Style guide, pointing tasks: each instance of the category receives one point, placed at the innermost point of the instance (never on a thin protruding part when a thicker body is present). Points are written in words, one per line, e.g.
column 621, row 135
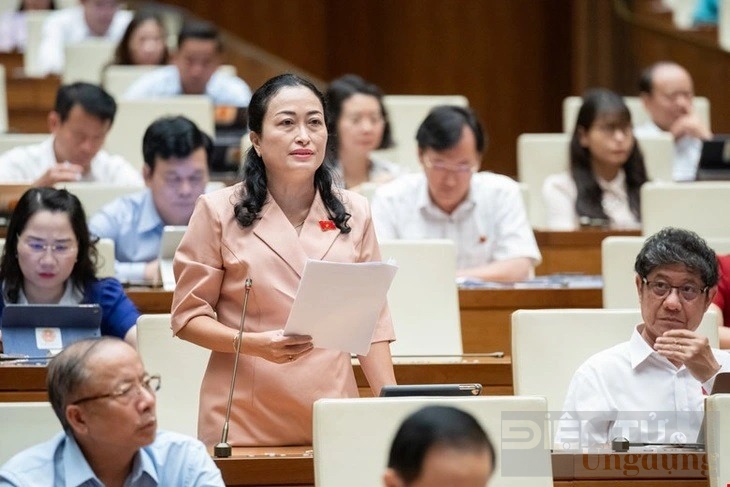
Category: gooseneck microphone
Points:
column 223, row 449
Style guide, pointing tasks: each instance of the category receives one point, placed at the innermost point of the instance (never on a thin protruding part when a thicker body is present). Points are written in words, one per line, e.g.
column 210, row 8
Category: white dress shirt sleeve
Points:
column 384, row 215
column 559, row 195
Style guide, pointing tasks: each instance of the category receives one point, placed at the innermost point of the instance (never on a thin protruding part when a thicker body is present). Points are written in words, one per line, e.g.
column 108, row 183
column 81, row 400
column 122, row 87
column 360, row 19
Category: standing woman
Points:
column 358, row 124
column 606, row 170
column 265, row 228
column 49, row 258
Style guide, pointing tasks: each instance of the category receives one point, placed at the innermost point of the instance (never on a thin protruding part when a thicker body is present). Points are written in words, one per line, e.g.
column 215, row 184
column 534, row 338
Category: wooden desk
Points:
column 486, row 314
column 494, row 374
column 295, row 466
column 573, row 251
column 150, row 300
column 28, row 382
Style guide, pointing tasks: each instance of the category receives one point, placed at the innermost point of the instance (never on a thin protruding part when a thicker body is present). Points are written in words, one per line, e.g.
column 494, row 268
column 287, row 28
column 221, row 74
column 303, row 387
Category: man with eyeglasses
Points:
column 652, row 388
column 666, row 91
column 176, row 154
column 105, row 402
column 481, row 212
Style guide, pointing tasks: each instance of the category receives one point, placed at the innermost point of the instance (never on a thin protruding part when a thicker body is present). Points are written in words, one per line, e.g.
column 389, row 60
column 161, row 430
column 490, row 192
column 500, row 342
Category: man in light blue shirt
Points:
column 194, row 71
column 106, row 404
column 176, row 154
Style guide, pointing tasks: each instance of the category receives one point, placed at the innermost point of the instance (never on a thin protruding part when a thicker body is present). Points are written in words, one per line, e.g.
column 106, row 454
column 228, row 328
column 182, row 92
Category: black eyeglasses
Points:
column 125, row 392
column 661, row 289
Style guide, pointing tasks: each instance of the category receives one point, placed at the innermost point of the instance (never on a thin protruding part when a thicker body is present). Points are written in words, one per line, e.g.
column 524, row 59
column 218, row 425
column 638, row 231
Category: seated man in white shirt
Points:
column 667, row 90
column 652, row 387
column 482, row 212
column 79, row 124
column 93, row 19
column 176, row 154
column 105, row 401
column 194, row 71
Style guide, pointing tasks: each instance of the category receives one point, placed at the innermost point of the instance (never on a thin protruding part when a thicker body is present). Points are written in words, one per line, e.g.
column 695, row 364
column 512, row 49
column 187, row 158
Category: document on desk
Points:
column 338, row 304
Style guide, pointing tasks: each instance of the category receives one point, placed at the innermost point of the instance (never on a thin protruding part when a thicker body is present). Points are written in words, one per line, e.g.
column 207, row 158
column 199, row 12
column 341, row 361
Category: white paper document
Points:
column 338, row 304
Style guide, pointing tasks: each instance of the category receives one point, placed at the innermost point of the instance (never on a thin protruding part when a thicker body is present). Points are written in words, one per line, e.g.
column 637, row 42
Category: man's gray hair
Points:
column 68, row 371
column 671, row 246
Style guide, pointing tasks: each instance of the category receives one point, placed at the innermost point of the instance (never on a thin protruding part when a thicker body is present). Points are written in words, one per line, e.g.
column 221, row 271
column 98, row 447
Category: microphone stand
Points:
column 223, row 449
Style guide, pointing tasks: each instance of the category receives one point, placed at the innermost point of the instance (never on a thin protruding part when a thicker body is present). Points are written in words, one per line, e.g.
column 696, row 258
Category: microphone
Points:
column 223, row 449
column 623, row 445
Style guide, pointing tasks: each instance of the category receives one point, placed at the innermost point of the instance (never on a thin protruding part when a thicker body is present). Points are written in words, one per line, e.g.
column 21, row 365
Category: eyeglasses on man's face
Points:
column 446, row 168
column 662, row 289
column 128, row 390
column 58, row 249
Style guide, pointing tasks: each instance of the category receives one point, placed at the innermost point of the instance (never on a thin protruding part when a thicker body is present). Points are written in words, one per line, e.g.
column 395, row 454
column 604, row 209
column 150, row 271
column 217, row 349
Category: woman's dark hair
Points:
column 598, row 103
column 252, row 196
column 123, row 54
column 338, row 92
column 51, row 6
column 55, row 201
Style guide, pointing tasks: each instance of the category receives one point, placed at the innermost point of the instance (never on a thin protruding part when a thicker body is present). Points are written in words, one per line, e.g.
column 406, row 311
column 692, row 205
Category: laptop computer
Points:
column 39, row 331
column 714, row 164
column 431, row 390
column 171, row 236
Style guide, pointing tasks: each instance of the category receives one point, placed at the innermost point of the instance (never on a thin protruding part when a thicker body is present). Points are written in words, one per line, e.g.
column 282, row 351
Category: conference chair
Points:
column 540, row 155
column 564, row 339
column 94, row 196
column 3, row 102
column 639, row 115
column 24, row 424
column 406, row 112
column 31, row 59
column 423, row 298
column 11, row 141
column 717, row 446
column 617, row 268
column 85, row 60
column 8, row 6
column 105, row 265
column 696, row 206
column 116, row 79
column 723, row 24
column 352, row 437
column 134, row 116
column 181, row 365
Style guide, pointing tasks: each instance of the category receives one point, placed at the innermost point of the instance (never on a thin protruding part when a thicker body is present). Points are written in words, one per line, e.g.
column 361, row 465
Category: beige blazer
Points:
column 272, row 403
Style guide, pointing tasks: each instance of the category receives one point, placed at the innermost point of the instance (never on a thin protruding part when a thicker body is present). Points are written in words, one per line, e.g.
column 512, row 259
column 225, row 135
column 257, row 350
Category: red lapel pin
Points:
column 482, row 238
column 327, row 225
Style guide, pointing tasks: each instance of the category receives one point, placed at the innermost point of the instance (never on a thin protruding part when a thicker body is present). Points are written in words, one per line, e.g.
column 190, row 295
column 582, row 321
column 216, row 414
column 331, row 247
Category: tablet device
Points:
column 431, row 390
column 714, row 162
column 42, row 330
column 171, row 236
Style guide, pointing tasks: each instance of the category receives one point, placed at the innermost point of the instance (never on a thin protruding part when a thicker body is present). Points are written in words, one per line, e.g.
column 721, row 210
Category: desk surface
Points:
column 295, row 466
column 28, row 382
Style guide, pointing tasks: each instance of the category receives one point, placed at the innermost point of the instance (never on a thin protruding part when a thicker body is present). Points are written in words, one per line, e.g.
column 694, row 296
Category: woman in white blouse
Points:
column 601, row 188
column 358, row 125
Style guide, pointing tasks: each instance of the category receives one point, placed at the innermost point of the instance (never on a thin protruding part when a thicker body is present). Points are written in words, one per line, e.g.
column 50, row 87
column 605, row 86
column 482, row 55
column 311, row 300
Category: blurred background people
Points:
column 79, row 123
column 667, row 90
column 143, row 42
column 194, row 71
column 358, row 125
column 176, row 154
column 481, row 212
column 602, row 186
column 93, row 19
column 13, row 25
column 50, row 258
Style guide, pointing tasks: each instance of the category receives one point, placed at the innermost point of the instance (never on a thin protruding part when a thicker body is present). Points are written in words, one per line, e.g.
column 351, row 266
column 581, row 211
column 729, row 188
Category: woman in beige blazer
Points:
column 284, row 212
